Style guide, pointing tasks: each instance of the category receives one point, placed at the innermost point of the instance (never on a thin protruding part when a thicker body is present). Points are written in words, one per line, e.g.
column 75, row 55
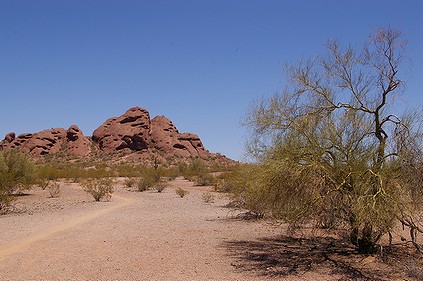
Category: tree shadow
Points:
column 286, row 255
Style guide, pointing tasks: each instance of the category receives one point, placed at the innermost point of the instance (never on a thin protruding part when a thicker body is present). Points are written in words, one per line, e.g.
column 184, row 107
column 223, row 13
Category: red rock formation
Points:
column 50, row 142
column 167, row 139
column 76, row 143
column 129, row 132
column 133, row 132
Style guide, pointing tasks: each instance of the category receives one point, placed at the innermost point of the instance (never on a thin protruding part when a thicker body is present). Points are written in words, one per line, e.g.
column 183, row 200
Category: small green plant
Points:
column 208, row 197
column 99, row 188
column 181, row 192
column 54, row 189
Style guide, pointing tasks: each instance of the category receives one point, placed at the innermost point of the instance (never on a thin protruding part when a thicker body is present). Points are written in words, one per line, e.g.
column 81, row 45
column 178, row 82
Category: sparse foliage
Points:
column 331, row 151
column 99, row 188
column 149, row 179
column 181, row 192
column 160, row 185
column 130, row 182
column 197, row 172
column 54, row 189
column 208, row 197
column 16, row 174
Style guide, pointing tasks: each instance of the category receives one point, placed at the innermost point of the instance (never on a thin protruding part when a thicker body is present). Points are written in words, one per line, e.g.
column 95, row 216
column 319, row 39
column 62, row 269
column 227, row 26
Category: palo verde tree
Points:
column 16, row 173
column 330, row 150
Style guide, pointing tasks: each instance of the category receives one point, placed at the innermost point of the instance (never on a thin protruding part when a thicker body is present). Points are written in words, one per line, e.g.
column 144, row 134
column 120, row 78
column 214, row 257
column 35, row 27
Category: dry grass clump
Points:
column 130, row 182
column 181, row 192
column 208, row 197
column 100, row 189
column 54, row 189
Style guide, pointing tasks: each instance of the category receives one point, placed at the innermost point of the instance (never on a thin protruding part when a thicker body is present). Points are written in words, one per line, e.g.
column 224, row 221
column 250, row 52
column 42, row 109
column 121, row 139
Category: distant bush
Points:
column 160, row 186
column 151, row 179
column 197, row 172
column 181, row 192
column 130, row 182
column 208, row 197
column 54, row 189
column 99, row 188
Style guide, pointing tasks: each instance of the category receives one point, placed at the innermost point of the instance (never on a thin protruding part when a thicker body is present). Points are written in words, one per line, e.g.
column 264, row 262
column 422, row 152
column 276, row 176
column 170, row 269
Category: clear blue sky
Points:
column 201, row 63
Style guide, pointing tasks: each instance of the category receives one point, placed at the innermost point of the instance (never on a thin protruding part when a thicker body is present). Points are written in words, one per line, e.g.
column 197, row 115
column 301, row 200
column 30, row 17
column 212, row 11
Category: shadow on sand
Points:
column 286, row 255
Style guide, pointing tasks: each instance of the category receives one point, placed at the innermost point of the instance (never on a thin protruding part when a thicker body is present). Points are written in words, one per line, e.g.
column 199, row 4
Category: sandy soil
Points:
column 160, row 236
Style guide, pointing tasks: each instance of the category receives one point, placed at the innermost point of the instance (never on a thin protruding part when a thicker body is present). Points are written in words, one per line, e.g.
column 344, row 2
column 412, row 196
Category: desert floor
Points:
column 160, row 236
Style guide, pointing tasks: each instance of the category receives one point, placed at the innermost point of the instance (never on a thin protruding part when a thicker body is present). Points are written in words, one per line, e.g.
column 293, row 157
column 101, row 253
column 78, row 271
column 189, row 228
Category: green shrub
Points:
column 99, row 188
column 16, row 174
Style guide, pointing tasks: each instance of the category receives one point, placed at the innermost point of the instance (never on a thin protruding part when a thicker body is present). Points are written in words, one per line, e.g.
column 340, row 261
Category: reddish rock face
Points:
column 77, row 144
column 49, row 142
column 10, row 137
column 129, row 132
column 166, row 138
column 133, row 132
column 42, row 143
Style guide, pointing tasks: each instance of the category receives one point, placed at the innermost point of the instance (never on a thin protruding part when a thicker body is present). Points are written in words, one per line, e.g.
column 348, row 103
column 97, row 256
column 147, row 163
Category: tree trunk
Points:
column 363, row 239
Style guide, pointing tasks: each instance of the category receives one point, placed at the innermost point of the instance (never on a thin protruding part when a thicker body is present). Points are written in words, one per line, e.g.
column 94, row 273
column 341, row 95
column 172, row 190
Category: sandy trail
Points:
column 135, row 236
column 19, row 245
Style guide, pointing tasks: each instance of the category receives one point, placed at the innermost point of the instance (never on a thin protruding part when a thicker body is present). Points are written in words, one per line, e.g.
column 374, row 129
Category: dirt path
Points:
column 135, row 236
column 44, row 234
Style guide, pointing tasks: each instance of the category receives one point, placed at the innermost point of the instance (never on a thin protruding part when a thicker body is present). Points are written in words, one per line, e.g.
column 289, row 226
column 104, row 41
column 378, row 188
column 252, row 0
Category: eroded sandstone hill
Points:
column 133, row 136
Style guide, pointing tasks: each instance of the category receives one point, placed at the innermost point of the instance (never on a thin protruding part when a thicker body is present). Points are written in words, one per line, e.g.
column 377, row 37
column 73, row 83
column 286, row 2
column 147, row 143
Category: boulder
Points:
column 10, row 137
column 76, row 143
column 126, row 133
column 168, row 140
column 44, row 142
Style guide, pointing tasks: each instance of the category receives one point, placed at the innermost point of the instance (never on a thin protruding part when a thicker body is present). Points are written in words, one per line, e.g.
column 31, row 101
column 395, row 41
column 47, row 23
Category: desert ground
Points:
column 161, row 236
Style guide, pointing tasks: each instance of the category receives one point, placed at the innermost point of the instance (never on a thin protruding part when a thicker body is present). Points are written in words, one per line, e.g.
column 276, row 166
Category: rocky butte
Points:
column 133, row 137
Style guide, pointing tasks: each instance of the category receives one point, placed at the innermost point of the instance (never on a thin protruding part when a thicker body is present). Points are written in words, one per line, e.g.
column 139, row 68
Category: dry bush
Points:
column 100, row 189
column 181, row 192
column 208, row 197
column 130, row 182
column 54, row 189
column 160, row 185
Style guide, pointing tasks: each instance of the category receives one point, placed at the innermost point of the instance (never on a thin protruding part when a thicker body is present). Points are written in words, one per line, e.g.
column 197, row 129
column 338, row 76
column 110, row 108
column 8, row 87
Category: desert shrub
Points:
column 151, row 178
column 54, row 189
column 181, row 192
column 197, row 172
column 99, row 188
column 16, row 174
column 130, row 182
column 227, row 180
column 331, row 149
column 208, row 197
column 144, row 183
column 160, row 185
